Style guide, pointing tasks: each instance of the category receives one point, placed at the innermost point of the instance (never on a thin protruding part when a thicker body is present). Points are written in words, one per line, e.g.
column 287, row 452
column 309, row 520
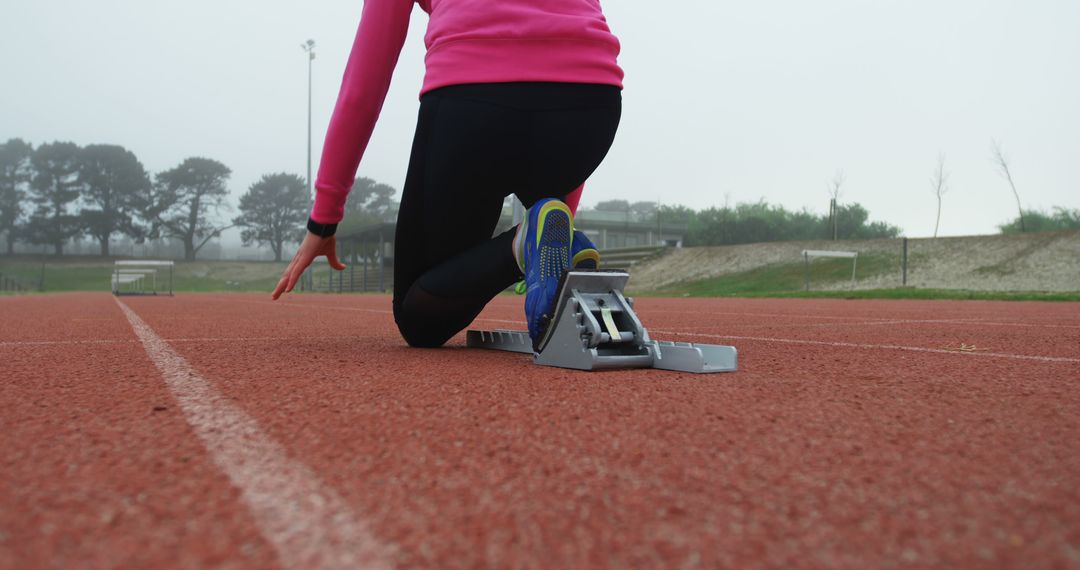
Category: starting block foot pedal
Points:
column 595, row 328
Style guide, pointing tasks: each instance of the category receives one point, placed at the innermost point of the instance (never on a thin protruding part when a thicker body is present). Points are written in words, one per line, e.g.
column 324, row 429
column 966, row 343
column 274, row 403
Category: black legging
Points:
column 474, row 145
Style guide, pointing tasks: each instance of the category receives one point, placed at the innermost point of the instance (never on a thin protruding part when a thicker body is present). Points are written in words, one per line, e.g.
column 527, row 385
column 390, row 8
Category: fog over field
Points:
column 723, row 100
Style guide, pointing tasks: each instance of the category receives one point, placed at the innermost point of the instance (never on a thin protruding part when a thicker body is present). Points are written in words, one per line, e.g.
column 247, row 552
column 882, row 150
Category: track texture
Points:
column 884, row 434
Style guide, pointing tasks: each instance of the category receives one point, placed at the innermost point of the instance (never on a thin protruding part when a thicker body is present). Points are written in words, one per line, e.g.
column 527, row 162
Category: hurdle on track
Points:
column 140, row 277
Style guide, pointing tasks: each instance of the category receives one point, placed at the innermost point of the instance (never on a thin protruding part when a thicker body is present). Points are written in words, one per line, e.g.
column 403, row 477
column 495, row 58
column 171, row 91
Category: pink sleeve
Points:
column 572, row 199
column 383, row 27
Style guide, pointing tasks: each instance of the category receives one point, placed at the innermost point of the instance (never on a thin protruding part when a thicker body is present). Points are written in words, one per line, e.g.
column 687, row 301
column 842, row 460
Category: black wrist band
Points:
column 321, row 230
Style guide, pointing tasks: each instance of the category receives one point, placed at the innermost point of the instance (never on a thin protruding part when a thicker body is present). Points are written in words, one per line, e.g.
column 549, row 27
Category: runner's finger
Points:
column 336, row 263
column 280, row 288
column 302, row 263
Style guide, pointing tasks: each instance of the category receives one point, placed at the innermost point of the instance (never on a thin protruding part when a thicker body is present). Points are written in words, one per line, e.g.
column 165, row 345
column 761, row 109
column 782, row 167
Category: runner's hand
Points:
column 312, row 247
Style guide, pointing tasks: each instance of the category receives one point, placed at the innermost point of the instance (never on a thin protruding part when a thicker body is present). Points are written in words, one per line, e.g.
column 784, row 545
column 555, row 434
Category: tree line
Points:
column 754, row 222
column 60, row 191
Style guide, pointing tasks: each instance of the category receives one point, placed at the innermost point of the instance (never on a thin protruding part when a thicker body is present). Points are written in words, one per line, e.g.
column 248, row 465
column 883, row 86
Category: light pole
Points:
column 309, row 47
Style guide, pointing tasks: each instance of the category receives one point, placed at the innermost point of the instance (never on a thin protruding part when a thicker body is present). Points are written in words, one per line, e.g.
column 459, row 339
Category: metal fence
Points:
column 15, row 284
column 361, row 276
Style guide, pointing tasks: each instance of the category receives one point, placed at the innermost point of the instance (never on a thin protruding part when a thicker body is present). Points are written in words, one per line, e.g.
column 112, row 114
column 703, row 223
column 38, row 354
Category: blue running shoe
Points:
column 548, row 235
column 583, row 254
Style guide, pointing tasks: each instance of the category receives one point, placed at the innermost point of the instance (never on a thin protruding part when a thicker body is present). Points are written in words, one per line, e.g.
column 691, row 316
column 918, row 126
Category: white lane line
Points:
column 876, row 346
column 873, row 320
column 751, row 314
column 377, row 311
column 648, row 311
column 28, row 343
column 303, row 305
column 792, row 341
column 308, row 524
column 16, row 343
column 1027, row 325
column 867, row 321
column 835, row 325
column 510, row 321
column 230, row 339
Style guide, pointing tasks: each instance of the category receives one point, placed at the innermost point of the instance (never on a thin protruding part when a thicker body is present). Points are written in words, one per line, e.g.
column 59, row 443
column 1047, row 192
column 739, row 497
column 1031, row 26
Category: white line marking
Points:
column 835, row 325
column 16, row 343
column 792, row 341
column 750, row 314
column 315, row 306
column 303, row 305
column 869, row 320
column 877, row 346
column 512, row 322
column 647, row 311
column 231, row 339
column 1029, row 325
column 330, row 308
column 19, row 343
column 969, row 322
column 309, row 525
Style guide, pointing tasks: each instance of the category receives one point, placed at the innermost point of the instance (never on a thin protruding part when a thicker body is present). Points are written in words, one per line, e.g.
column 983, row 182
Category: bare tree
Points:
column 939, row 184
column 834, row 195
column 1003, row 163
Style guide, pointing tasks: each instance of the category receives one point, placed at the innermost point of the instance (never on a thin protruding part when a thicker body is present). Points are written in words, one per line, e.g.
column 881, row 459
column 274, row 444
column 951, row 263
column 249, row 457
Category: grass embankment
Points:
column 778, row 280
column 786, row 280
column 94, row 274
column 931, row 294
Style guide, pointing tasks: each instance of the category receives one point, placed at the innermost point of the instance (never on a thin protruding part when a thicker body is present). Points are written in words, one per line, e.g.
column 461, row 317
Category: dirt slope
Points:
column 1032, row 262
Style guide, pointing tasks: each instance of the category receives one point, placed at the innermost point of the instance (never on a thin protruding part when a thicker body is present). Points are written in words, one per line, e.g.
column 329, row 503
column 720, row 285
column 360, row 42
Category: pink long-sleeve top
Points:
column 468, row 41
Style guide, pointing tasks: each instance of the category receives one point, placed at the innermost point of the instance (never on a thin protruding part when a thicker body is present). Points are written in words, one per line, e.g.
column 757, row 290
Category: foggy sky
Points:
column 724, row 101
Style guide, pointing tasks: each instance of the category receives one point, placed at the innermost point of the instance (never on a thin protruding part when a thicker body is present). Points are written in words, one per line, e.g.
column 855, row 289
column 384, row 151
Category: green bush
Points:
column 1038, row 221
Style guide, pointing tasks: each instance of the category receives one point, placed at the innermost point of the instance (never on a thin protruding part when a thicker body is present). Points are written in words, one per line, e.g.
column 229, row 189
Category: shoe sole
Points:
column 554, row 239
column 559, row 235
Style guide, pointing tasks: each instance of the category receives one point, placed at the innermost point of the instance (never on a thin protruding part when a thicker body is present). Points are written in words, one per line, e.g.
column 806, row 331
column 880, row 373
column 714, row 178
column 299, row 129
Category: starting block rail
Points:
column 596, row 328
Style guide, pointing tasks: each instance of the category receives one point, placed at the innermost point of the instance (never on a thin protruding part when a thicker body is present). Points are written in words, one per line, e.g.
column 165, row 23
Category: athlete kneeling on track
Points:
column 519, row 96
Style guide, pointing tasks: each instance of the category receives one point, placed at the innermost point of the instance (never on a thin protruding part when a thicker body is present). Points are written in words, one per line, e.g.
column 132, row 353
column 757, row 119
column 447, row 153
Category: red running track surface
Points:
column 857, row 434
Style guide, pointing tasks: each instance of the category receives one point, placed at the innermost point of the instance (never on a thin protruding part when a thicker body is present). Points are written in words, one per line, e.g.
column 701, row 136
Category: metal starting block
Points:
column 595, row 328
